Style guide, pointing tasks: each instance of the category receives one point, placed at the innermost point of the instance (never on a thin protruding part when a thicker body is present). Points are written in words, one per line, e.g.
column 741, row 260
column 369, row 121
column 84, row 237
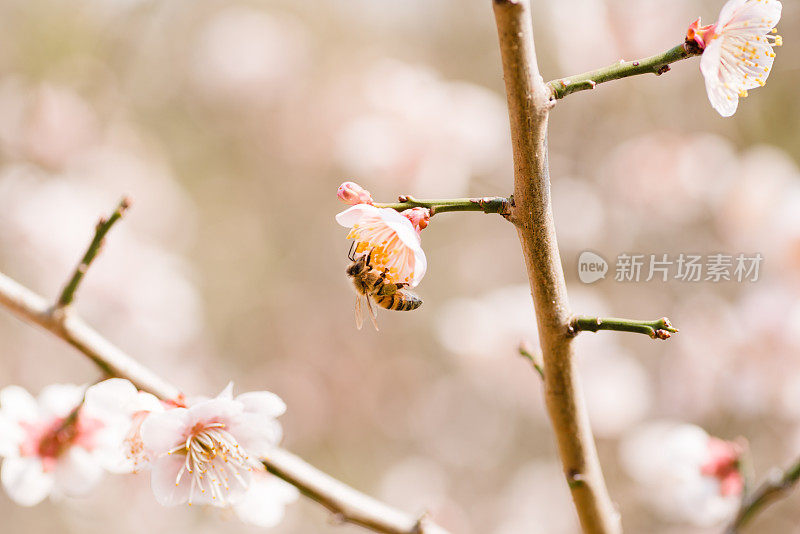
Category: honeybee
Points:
column 371, row 283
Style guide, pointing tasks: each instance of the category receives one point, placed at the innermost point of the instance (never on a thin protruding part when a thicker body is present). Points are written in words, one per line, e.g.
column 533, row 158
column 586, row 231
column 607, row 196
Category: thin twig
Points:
column 501, row 205
column 659, row 329
column 534, row 356
column 528, row 108
column 348, row 504
column 778, row 485
column 102, row 228
column 657, row 64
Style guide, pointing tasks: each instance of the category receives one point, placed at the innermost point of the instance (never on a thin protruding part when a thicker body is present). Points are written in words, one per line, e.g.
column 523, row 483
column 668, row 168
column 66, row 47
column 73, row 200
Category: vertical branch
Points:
column 528, row 109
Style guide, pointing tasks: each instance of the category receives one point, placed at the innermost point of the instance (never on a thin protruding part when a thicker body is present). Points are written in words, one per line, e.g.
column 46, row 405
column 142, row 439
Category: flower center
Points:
column 48, row 440
column 214, row 461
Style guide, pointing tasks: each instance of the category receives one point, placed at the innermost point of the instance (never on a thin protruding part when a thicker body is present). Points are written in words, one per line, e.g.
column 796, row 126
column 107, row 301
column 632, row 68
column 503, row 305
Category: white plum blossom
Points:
column 119, row 401
column 688, row 475
column 49, row 445
column 737, row 50
column 391, row 238
column 209, row 452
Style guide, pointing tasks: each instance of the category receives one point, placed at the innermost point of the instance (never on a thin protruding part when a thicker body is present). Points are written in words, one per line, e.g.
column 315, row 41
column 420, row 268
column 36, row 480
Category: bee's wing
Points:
column 359, row 315
column 372, row 315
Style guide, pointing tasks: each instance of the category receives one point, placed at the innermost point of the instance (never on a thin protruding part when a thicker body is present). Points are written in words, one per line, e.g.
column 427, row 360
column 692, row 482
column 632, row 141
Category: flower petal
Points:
column 164, row 482
column 60, row 399
column 349, row 217
column 17, row 404
column 113, row 396
column 256, row 433
column 264, row 403
column 161, row 432
column 724, row 99
column 265, row 502
column 25, row 481
column 77, row 472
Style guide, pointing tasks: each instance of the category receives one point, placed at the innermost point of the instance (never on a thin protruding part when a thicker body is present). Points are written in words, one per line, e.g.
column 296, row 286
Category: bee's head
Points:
column 357, row 267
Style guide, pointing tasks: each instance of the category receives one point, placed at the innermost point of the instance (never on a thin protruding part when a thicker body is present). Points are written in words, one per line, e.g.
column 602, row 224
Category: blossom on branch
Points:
column 118, row 400
column 737, row 50
column 688, row 475
column 209, row 452
column 392, row 239
column 50, row 445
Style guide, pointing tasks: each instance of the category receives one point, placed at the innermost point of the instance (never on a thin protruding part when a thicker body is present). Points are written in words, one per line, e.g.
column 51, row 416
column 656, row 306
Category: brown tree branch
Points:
column 348, row 504
column 528, row 108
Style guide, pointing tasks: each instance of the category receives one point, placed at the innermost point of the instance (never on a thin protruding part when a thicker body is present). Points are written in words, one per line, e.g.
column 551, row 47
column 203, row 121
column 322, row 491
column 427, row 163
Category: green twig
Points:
column 661, row 329
column 658, row 64
column 775, row 487
column 500, row 205
column 534, row 356
column 68, row 293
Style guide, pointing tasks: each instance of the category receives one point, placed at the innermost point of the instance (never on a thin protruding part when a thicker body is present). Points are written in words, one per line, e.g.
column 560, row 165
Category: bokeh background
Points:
column 231, row 123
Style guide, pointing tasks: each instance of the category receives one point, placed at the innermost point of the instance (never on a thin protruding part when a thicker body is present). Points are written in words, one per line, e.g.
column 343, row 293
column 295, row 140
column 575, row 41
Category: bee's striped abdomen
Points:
column 400, row 300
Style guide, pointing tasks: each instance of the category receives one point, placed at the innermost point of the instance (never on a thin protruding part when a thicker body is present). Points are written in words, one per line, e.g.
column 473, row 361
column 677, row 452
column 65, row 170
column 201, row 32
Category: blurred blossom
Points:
column 691, row 170
column 536, row 501
column 50, row 446
column 425, row 135
column 737, row 50
column 579, row 212
column 616, row 386
column 685, row 474
column 459, row 425
column 248, row 54
column 118, row 400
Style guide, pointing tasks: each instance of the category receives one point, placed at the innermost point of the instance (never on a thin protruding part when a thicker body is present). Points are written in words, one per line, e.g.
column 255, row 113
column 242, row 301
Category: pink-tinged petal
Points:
column 147, row 402
column 18, row 405
column 59, row 400
column 265, row 502
column 162, row 432
column 420, row 266
column 352, row 215
column 263, row 403
column 729, row 10
column 227, row 393
column 25, row 481
column 167, row 488
column 219, row 409
column 723, row 99
column 77, row 472
column 256, row 433
column 756, row 12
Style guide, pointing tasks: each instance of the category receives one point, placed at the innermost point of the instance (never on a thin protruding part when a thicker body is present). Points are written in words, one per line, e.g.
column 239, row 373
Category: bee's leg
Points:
column 369, row 258
column 351, row 253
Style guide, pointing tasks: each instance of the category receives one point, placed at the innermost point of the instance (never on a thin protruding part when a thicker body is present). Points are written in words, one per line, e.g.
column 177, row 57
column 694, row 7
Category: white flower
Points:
column 737, row 52
column 264, row 503
column 207, row 453
column 391, row 238
column 49, row 445
column 118, row 401
column 687, row 475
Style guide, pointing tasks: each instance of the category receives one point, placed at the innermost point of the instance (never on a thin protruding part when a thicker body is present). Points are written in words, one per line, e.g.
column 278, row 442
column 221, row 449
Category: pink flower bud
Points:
column 351, row 193
column 701, row 34
column 723, row 464
column 419, row 217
